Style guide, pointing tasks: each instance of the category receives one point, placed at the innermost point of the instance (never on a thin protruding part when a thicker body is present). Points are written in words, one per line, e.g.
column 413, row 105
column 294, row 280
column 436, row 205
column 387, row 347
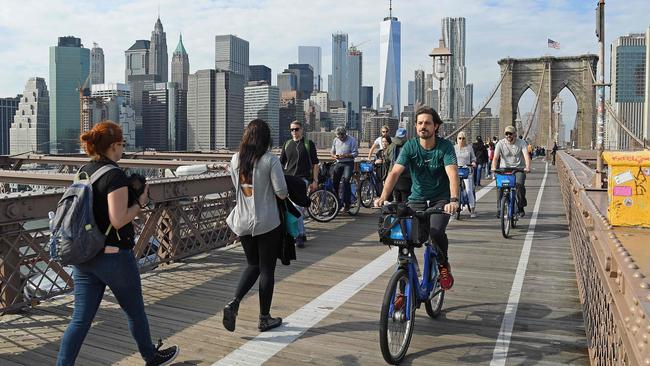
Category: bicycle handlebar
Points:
column 393, row 208
column 508, row 170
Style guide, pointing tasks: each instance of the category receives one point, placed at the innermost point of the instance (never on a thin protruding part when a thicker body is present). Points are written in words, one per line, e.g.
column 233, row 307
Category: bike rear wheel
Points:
column 355, row 202
column 505, row 215
column 395, row 330
column 367, row 193
column 324, row 205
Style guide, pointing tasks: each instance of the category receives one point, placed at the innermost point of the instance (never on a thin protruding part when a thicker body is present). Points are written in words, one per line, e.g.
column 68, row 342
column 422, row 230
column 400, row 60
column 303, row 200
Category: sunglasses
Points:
column 461, row 138
column 123, row 143
column 384, row 131
column 294, row 129
column 509, row 134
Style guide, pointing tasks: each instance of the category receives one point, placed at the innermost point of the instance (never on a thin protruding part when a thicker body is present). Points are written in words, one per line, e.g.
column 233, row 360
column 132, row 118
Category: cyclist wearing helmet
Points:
column 431, row 160
column 344, row 150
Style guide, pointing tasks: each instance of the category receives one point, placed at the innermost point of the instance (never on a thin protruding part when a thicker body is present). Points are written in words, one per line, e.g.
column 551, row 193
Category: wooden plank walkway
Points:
column 184, row 300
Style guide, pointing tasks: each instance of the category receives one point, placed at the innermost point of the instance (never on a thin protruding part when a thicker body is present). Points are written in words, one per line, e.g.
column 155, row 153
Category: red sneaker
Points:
column 399, row 303
column 446, row 280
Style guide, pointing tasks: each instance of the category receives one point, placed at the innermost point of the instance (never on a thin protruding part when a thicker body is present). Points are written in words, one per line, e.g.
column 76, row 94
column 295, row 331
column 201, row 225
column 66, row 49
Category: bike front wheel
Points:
column 324, row 205
column 367, row 193
column 505, row 215
column 434, row 304
column 397, row 318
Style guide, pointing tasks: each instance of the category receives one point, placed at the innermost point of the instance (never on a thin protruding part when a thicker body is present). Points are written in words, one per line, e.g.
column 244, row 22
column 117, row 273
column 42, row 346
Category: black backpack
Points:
column 75, row 237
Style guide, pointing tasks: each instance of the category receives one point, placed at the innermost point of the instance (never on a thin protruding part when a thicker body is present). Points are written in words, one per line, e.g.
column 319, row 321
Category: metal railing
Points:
column 613, row 291
column 187, row 216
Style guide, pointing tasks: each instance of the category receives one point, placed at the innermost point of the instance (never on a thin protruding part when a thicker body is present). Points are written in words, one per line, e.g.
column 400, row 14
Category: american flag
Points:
column 553, row 44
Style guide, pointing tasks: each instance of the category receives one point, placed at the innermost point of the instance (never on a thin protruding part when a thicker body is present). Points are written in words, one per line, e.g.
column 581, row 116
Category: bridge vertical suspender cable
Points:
column 613, row 114
column 539, row 90
column 460, row 128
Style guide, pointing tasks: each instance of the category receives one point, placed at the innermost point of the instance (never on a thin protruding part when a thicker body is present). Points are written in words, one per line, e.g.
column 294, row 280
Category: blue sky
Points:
column 274, row 28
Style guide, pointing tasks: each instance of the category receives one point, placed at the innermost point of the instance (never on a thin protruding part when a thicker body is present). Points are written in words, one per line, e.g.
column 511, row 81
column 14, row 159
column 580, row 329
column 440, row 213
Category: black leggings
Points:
column 437, row 227
column 261, row 256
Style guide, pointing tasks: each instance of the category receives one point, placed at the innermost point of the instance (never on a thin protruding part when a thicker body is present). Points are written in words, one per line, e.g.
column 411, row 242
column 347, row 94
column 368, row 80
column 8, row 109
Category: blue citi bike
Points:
column 505, row 180
column 327, row 201
column 408, row 288
column 463, row 173
column 369, row 184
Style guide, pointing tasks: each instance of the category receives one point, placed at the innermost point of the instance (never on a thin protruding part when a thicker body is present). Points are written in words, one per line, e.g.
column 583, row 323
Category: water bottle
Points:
column 50, row 215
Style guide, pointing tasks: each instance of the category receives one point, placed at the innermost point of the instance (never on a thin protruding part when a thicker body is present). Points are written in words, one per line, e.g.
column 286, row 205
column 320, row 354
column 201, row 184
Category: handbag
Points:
column 291, row 223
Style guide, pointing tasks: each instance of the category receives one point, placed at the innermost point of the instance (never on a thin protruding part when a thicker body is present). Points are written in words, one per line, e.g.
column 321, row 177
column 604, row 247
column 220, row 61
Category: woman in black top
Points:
column 116, row 265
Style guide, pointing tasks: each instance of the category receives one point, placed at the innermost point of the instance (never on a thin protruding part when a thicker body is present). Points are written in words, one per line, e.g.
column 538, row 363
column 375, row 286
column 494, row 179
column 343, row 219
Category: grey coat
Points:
column 258, row 215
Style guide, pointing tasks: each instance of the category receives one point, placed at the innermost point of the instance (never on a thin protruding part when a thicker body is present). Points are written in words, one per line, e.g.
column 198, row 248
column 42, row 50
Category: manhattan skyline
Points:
column 495, row 29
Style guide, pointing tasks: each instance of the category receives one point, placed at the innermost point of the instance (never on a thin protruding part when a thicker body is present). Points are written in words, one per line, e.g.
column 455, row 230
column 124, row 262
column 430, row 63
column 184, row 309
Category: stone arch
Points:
column 558, row 72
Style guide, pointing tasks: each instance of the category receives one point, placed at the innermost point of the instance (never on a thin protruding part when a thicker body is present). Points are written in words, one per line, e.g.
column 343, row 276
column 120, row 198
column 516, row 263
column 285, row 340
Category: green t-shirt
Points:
column 427, row 167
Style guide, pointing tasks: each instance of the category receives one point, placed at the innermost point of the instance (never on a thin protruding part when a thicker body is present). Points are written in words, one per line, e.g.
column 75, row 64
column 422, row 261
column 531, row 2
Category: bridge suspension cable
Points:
column 461, row 127
column 610, row 109
column 532, row 115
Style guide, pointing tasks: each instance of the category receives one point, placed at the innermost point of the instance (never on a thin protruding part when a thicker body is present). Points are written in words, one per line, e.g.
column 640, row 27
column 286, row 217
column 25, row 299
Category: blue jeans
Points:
column 344, row 170
column 119, row 272
column 477, row 175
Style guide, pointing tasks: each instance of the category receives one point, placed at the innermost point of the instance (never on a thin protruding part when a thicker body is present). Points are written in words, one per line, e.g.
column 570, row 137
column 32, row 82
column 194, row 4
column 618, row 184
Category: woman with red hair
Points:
column 115, row 266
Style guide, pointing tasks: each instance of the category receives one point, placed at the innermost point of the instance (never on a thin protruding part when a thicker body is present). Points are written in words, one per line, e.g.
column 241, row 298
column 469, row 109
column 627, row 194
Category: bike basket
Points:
column 366, row 167
column 463, row 172
column 399, row 231
column 505, row 180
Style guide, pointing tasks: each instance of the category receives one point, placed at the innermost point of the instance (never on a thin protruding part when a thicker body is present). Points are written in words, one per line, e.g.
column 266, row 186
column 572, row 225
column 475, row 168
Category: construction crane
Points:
column 355, row 47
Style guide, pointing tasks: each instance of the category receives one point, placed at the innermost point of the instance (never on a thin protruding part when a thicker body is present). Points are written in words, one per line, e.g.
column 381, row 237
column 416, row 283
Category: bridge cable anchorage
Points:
column 610, row 109
column 494, row 91
column 532, row 115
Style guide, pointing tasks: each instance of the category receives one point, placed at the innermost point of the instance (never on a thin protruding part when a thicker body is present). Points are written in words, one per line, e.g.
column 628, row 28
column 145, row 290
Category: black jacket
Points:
column 481, row 152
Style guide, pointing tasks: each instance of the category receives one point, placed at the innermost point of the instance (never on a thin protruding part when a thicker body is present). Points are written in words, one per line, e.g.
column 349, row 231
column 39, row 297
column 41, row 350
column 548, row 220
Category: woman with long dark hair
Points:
column 115, row 266
column 258, row 179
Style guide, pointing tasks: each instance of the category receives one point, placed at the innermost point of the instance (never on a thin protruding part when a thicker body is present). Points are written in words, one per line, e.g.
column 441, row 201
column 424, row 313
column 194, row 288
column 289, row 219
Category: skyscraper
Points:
column 158, row 52
column 366, row 97
column 229, row 104
column 452, row 105
column 117, row 102
column 410, row 97
column 165, row 122
column 8, row 107
column 69, row 69
column 469, row 100
column 287, row 82
column 96, row 64
column 231, row 54
column 336, row 86
column 390, row 63
column 137, row 59
column 180, row 65
column 312, row 55
column 419, row 88
column 260, row 73
column 30, row 130
column 627, row 93
column 263, row 101
column 201, row 110
column 354, row 80
column 304, row 79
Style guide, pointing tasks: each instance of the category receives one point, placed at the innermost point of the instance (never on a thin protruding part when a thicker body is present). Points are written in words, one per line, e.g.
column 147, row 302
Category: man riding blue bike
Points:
column 431, row 161
column 344, row 150
column 512, row 152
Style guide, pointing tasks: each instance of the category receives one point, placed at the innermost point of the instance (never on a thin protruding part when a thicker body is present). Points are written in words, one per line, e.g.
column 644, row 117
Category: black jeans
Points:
column 343, row 170
column 437, row 227
column 520, row 181
column 261, row 256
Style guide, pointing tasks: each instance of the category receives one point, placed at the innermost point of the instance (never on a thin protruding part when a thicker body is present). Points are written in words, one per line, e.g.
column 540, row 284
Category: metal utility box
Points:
column 628, row 188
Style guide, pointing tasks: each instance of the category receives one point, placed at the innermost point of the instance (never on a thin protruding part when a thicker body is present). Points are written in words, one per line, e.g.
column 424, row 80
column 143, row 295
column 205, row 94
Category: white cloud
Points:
column 274, row 28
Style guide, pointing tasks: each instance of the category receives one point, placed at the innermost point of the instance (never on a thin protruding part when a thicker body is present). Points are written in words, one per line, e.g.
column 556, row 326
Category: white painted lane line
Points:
column 500, row 354
column 265, row 345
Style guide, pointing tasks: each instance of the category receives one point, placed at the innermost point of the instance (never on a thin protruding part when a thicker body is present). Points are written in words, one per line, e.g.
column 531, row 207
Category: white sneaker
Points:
column 473, row 214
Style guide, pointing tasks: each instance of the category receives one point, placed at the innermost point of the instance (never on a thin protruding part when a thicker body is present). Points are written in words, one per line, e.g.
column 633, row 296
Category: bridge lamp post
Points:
column 440, row 56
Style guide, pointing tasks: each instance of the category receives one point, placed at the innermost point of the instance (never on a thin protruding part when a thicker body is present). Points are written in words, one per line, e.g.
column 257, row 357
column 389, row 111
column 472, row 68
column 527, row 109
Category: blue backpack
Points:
column 75, row 237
